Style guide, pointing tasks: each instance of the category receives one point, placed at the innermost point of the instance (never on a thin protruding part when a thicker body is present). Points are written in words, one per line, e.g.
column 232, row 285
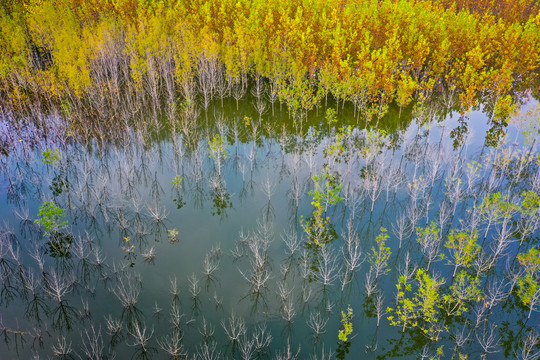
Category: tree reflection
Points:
column 362, row 181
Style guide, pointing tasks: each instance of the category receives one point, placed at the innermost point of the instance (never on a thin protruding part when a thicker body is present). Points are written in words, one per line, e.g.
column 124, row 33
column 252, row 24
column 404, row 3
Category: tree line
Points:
column 96, row 57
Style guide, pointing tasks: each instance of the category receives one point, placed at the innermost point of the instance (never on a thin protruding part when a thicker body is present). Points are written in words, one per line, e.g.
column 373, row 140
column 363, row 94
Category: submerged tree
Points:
column 529, row 283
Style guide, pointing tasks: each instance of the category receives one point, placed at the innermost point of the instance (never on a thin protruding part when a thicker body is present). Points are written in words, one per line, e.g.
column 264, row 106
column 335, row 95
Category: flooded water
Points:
column 239, row 236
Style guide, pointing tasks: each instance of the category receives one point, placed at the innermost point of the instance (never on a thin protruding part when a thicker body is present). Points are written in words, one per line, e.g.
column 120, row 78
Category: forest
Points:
column 99, row 56
column 310, row 179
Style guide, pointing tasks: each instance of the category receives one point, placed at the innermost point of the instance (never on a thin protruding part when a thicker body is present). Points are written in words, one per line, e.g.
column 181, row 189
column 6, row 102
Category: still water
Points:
column 241, row 236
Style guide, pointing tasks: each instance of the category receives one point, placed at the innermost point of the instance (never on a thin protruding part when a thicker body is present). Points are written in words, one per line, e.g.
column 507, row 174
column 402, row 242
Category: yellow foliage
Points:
column 384, row 50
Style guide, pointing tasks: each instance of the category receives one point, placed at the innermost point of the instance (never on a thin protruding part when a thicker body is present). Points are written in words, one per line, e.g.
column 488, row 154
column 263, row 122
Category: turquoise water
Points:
column 148, row 206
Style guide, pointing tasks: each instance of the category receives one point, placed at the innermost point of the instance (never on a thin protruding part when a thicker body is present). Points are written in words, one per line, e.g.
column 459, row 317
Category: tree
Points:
column 430, row 240
column 418, row 309
column 463, row 290
column 529, row 283
column 463, row 248
column 380, row 254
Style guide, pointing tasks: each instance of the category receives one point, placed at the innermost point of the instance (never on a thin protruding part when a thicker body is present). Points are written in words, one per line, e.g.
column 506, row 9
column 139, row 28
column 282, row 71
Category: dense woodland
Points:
column 108, row 59
column 396, row 235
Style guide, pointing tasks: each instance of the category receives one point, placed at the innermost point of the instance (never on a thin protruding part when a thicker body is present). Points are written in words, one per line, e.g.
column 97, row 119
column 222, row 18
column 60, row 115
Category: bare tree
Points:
column 140, row 338
column 496, row 292
column 246, row 347
column 317, row 323
column 114, row 329
column 208, row 74
column 487, row 338
column 194, row 286
column 207, row 330
column 211, row 262
column 92, row 344
column 371, row 282
column 258, row 272
column 157, row 213
column 222, row 86
column 127, row 289
column 208, row 352
column 292, row 241
column 352, row 254
column 288, row 353
column 238, row 92
column 262, row 339
column 273, row 94
column 173, row 289
column 261, row 106
column 306, row 270
column 529, row 349
column 501, row 244
column 401, row 229
column 234, row 328
column 175, row 317
column 149, row 255
column 379, row 308
column 328, row 269
column 172, row 345
column 62, row 350
column 287, row 309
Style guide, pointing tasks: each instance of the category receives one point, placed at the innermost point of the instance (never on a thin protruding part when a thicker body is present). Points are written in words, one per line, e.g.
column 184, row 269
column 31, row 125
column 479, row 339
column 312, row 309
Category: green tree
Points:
column 463, row 291
column 418, row 309
column 218, row 150
column 327, row 189
column 346, row 324
column 463, row 248
column 380, row 254
column 51, row 217
column 529, row 283
column 430, row 239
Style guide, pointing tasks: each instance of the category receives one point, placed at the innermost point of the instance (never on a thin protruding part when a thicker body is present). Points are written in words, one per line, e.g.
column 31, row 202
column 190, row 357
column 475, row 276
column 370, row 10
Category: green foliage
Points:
column 177, row 181
column 417, row 309
column 221, row 201
column 427, row 297
column 529, row 210
column 405, row 90
column 473, row 168
column 374, row 142
column 326, row 190
column 330, row 117
column 217, row 147
column 66, row 108
column 51, row 217
column 59, row 184
column 528, row 290
column 530, row 203
column 529, row 283
column 429, row 234
column 404, row 313
column 463, row 247
column 346, row 324
column 380, row 254
column 51, row 156
column 338, row 147
column 464, row 290
column 496, row 206
column 503, row 108
column 172, row 235
column 318, row 227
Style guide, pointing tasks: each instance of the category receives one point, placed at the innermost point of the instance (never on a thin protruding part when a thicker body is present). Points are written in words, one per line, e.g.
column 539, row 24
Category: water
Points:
column 148, row 207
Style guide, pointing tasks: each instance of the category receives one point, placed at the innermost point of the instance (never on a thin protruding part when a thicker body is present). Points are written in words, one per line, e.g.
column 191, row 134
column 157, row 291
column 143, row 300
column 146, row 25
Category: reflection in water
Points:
column 232, row 238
